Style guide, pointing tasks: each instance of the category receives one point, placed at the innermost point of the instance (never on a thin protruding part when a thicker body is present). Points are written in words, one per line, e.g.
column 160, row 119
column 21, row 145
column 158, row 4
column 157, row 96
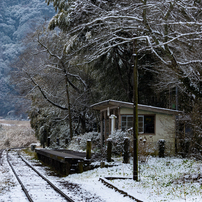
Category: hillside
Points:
column 17, row 19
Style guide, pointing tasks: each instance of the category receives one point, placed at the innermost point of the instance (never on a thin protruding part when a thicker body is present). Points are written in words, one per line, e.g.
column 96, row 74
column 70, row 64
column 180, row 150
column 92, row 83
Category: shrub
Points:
column 79, row 142
column 118, row 141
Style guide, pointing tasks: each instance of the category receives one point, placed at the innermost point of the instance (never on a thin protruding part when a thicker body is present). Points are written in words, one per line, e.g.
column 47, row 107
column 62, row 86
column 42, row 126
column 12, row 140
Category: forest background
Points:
column 54, row 70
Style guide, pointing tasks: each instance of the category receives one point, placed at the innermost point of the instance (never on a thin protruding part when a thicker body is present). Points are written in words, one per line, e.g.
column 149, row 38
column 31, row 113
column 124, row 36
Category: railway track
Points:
column 35, row 186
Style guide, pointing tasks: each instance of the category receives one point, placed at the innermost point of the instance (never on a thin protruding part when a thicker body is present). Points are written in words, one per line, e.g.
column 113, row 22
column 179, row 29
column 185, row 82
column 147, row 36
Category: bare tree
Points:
column 47, row 73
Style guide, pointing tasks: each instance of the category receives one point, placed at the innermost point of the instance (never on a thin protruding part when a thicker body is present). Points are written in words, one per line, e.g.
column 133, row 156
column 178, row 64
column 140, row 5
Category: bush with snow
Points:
column 79, row 142
column 118, row 141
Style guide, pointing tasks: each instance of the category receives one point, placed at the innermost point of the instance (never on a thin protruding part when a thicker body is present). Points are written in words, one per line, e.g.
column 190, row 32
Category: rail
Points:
column 39, row 174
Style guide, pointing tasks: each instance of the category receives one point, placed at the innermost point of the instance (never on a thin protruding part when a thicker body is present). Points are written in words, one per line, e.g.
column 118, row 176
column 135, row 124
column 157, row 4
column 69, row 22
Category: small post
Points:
column 66, row 141
column 33, row 146
column 48, row 142
column 102, row 164
column 58, row 141
column 80, row 166
column 109, row 150
column 161, row 148
column 126, row 150
column 88, row 150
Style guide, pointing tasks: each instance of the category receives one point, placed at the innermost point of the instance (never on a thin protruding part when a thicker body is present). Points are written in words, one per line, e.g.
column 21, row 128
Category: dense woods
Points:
column 86, row 52
column 17, row 19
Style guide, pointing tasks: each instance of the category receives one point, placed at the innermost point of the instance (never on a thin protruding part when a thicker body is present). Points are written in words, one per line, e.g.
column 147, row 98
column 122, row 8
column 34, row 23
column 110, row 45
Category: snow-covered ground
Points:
column 161, row 179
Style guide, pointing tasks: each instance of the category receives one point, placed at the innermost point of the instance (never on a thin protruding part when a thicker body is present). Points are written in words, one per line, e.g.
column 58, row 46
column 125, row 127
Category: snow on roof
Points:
column 112, row 103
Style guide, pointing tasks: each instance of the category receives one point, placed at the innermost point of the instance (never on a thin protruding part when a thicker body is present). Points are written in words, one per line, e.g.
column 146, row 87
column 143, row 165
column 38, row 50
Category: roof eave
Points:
column 109, row 103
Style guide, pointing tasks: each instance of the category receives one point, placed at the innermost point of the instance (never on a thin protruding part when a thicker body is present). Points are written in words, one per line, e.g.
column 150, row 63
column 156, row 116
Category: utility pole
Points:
column 135, row 113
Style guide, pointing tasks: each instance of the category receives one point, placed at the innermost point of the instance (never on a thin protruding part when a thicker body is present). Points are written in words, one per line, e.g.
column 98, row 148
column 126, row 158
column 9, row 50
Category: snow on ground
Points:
column 161, row 179
column 10, row 189
column 157, row 180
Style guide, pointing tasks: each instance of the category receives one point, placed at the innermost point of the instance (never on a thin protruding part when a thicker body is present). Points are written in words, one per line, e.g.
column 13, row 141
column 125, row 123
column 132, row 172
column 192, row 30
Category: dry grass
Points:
column 15, row 133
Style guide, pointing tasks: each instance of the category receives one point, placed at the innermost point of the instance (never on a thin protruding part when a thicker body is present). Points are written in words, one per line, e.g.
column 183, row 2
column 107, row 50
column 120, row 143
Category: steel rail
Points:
column 43, row 177
column 20, row 182
column 48, row 181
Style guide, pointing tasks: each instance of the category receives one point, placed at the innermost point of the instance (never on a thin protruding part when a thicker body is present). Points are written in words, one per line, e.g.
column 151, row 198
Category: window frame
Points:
column 143, row 122
column 125, row 116
column 141, row 116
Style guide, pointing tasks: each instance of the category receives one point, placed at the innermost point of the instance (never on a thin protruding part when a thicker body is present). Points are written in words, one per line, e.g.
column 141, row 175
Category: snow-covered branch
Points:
column 43, row 93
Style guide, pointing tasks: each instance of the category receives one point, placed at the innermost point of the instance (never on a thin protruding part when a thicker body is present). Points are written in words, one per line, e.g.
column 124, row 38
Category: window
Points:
column 126, row 122
column 141, row 124
column 148, row 124
column 145, row 123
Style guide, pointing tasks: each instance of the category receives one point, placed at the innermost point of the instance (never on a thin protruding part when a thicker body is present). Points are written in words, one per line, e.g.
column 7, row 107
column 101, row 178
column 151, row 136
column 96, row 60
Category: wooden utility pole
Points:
column 135, row 113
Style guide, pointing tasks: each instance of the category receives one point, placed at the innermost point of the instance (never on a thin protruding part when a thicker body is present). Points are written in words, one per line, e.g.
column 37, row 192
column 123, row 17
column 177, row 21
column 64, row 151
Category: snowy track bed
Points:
column 35, row 187
column 82, row 190
column 169, row 179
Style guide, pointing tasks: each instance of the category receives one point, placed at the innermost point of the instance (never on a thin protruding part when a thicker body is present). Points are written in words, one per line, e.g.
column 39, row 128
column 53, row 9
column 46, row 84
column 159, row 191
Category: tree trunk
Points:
column 69, row 109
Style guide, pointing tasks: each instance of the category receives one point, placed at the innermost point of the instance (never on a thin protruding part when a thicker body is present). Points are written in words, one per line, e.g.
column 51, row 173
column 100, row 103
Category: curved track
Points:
column 33, row 183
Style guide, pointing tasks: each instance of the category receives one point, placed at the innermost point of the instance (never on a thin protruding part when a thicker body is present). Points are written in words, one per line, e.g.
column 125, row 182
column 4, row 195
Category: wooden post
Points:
column 109, row 150
column 33, row 146
column 161, row 148
column 102, row 164
column 126, row 150
column 80, row 166
column 119, row 119
column 67, row 168
column 135, row 114
column 105, row 126
column 88, row 150
column 48, row 142
column 101, row 130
